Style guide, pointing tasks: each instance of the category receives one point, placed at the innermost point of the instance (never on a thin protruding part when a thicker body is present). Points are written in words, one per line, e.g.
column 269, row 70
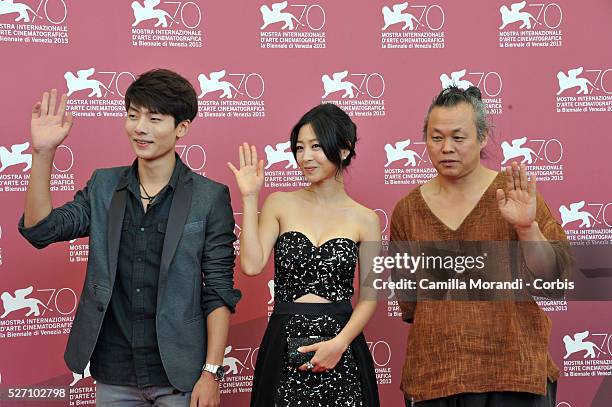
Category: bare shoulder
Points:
column 366, row 217
column 279, row 198
column 280, row 201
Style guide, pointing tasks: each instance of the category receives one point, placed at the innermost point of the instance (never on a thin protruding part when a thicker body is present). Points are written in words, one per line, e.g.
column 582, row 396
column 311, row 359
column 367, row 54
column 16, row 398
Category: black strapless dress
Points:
column 301, row 268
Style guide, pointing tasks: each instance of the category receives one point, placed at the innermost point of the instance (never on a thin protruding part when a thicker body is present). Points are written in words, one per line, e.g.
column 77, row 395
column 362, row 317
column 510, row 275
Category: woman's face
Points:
column 310, row 156
column 452, row 140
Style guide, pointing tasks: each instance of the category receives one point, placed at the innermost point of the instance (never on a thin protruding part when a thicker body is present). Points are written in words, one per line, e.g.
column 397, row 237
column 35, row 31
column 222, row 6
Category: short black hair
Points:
column 165, row 92
column 335, row 131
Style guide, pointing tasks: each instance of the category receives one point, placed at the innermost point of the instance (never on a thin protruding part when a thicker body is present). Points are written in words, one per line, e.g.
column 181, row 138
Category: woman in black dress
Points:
column 316, row 233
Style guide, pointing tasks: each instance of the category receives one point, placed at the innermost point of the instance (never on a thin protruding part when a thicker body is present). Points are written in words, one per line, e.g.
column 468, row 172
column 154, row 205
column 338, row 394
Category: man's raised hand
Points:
column 50, row 124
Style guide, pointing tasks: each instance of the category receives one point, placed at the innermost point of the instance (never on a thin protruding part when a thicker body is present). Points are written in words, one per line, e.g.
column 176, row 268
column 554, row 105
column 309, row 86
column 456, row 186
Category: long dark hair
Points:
column 335, row 132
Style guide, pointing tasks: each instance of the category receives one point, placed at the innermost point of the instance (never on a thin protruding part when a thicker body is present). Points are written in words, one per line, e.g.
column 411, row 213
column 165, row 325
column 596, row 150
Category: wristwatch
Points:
column 217, row 371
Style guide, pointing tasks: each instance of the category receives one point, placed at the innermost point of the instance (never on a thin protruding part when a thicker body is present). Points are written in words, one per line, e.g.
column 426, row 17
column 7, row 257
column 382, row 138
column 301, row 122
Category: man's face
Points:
column 152, row 135
column 452, row 140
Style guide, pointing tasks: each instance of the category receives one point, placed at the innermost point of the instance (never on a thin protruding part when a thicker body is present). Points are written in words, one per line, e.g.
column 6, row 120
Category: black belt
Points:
column 313, row 308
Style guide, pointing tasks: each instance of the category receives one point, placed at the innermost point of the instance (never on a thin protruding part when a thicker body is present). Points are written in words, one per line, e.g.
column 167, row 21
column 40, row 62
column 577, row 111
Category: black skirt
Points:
column 271, row 356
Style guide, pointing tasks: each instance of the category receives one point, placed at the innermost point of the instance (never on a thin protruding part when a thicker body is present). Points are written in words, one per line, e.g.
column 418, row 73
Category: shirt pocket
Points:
column 127, row 222
column 156, row 239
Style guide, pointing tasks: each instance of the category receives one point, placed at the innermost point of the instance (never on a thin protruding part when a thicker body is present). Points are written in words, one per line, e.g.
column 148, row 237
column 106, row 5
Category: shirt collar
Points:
column 130, row 180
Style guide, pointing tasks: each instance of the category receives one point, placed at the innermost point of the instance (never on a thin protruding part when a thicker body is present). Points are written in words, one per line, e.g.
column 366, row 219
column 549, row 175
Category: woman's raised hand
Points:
column 250, row 176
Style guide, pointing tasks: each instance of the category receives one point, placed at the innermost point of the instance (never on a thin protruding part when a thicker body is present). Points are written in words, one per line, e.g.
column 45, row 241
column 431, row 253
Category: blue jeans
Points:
column 109, row 395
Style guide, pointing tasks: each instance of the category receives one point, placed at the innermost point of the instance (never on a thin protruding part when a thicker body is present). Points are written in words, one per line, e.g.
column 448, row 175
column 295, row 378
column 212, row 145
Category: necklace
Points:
column 148, row 197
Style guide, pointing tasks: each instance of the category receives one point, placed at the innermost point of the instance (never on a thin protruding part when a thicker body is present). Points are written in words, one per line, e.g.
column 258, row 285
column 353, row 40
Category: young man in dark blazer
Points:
column 153, row 316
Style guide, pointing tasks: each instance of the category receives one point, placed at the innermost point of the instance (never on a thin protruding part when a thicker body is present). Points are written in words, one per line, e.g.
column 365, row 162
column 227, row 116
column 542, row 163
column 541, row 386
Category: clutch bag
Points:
column 293, row 343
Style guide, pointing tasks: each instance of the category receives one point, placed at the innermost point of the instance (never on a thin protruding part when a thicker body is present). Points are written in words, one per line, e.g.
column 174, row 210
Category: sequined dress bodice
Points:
column 301, row 268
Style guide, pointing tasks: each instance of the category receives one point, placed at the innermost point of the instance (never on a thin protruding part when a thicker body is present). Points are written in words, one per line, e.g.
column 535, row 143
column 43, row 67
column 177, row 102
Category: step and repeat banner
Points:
column 544, row 68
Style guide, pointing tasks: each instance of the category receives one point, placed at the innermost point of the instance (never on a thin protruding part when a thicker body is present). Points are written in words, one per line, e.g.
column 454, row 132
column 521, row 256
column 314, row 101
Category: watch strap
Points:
column 214, row 370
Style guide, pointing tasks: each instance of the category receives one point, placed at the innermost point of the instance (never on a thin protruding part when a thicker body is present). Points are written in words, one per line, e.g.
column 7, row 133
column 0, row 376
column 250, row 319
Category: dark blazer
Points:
column 196, row 272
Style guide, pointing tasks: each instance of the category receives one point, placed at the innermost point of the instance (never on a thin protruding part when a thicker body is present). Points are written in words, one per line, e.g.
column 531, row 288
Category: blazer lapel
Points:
column 116, row 212
column 179, row 210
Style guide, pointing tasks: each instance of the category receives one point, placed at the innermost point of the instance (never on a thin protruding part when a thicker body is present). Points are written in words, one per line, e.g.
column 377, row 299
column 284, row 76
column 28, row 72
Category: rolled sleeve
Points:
column 218, row 258
column 69, row 221
column 213, row 298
